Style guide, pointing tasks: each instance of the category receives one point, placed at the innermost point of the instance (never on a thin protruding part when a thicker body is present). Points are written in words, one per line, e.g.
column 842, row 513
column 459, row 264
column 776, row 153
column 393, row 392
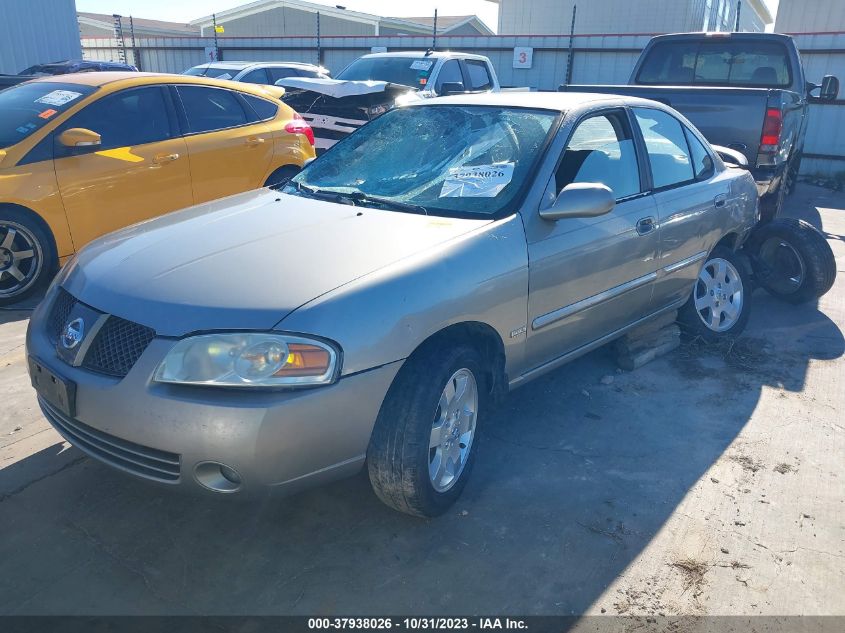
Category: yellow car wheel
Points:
column 27, row 255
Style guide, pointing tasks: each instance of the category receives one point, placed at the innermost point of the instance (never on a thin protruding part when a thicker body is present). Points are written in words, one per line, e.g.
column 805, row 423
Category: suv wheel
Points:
column 424, row 442
column 720, row 303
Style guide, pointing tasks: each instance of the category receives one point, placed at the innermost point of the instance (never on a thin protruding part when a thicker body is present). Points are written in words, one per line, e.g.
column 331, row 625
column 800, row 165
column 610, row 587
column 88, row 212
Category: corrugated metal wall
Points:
column 37, row 31
column 603, row 59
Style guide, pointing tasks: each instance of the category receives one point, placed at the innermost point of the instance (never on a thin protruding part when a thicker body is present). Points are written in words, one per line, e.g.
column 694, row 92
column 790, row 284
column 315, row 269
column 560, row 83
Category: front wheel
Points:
column 423, row 445
column 720, row 304
column 792, row 260
column 27, row 258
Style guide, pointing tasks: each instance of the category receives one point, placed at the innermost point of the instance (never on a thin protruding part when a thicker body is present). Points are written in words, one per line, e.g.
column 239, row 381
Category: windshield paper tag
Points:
column 422, row 64
column 58, row 97
column 478, row 181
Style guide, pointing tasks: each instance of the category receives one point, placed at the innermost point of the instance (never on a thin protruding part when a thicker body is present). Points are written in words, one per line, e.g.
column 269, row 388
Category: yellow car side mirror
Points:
column 79, row 137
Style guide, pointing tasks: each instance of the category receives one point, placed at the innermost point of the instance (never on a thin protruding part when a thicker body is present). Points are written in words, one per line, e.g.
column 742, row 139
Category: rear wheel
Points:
column 792, row 260
column 27, row 257
column 720, row 304
column 281, row 176
column 423, row 445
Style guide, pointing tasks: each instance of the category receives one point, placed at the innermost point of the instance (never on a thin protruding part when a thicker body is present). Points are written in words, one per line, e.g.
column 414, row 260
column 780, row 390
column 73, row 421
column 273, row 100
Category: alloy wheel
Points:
column 719, row 295
column 20, row 258
column 453, row 430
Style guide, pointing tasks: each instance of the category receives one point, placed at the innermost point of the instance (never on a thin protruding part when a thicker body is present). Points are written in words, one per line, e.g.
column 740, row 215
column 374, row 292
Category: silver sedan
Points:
column 373, row 310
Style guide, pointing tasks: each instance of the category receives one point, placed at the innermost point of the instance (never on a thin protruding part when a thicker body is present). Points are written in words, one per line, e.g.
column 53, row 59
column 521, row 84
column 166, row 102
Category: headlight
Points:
column 249, row 360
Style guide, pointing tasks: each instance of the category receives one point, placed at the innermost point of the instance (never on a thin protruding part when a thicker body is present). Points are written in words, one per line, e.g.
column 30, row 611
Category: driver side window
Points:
column 125, row 119
column 601, row 149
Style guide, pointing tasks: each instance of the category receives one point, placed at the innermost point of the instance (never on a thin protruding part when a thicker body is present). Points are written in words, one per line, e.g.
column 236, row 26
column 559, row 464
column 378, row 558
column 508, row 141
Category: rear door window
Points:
column 257, row 76
column 283, row 73
column 210, row 109
column 702, row 164
column 601, row 149
column 668, row 154
column 479, row 75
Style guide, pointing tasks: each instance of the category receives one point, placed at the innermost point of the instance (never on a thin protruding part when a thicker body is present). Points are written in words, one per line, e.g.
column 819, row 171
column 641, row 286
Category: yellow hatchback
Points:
column 83, row 155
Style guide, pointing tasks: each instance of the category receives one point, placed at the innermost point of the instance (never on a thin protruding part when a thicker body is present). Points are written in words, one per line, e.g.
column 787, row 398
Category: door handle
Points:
column 645, row 226
column 721, row 200
column 254, row 140
column 165, row 158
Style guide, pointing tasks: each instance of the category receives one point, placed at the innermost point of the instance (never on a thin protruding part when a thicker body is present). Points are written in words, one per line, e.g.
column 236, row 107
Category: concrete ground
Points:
column 708, row 482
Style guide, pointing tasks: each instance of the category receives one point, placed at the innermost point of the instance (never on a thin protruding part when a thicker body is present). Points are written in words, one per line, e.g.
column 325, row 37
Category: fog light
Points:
column 217, row 477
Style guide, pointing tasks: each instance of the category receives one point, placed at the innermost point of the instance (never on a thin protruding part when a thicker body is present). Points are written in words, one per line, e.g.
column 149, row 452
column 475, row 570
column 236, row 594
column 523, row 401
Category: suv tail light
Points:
column 772, row 128
column 300, row 126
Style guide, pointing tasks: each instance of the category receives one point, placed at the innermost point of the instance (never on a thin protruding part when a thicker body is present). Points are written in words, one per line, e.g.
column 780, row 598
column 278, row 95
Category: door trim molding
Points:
column 689, row 261
column 567, row 311
column 589, row 347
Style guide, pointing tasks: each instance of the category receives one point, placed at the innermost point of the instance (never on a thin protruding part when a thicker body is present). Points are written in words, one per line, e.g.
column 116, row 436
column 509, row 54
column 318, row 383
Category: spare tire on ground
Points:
column 791, row 260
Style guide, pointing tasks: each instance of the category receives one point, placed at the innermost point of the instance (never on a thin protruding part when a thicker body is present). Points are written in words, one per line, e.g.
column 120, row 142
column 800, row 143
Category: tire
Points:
column 771, row 205
column 27, row 255
column 403, row 465
column 792, row 260
column 281, row 176
column 720, row 303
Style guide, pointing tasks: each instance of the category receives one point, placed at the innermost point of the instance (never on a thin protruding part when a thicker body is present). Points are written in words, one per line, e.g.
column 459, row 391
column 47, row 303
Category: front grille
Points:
column 59, row 314
column 118, row 346
column 119, row 343
column 143, row 461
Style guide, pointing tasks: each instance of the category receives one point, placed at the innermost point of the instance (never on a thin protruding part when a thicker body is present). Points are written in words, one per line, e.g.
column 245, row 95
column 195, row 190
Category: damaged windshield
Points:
column 438, row 159
column 408, row 71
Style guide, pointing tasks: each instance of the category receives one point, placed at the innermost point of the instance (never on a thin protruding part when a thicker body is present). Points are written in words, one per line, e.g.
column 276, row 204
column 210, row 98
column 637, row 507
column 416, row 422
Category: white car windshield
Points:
column 441, row 159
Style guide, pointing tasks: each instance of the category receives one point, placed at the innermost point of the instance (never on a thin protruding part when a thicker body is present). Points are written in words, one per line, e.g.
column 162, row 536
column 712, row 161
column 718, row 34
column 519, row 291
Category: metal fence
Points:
column 597, row 59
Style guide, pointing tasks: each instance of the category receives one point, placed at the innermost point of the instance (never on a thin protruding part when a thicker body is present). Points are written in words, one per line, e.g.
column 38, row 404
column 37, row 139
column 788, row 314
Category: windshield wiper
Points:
column 360, row 196
column 319, row 194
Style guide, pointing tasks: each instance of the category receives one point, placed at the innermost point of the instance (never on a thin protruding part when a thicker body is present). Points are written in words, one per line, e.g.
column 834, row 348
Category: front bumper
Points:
column 273, row 440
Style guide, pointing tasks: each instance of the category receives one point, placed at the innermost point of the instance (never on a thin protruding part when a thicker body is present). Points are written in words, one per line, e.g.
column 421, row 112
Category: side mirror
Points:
column 829, row 89
column 731, row 156
column 452, row 88
column 79, row 137
column 581, row 200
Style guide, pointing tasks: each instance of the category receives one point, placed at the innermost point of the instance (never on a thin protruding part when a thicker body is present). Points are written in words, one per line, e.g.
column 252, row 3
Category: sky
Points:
column 186, row 10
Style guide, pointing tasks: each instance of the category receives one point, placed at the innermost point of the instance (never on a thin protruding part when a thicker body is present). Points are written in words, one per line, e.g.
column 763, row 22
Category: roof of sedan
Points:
column 243, row 65
column 561, row 101
column 99, row 79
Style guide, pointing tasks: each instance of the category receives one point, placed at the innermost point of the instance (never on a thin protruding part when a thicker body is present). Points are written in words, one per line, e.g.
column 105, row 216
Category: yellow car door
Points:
column 229, row 150
column 138, row 171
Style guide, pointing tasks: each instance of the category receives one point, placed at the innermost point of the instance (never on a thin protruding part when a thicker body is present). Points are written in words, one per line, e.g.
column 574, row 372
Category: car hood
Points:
column 247, row 261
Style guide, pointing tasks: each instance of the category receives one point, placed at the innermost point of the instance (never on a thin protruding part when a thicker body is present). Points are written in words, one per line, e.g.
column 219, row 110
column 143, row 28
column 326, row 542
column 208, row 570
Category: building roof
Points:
column 106, row 22
column 421, row 25
column 446, row 23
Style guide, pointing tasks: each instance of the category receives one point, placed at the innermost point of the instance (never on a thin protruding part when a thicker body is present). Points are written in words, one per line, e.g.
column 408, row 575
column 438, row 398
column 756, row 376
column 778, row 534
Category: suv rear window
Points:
column 722, row 62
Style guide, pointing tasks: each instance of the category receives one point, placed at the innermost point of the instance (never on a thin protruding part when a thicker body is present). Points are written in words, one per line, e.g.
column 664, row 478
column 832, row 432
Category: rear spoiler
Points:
column 276, row 92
